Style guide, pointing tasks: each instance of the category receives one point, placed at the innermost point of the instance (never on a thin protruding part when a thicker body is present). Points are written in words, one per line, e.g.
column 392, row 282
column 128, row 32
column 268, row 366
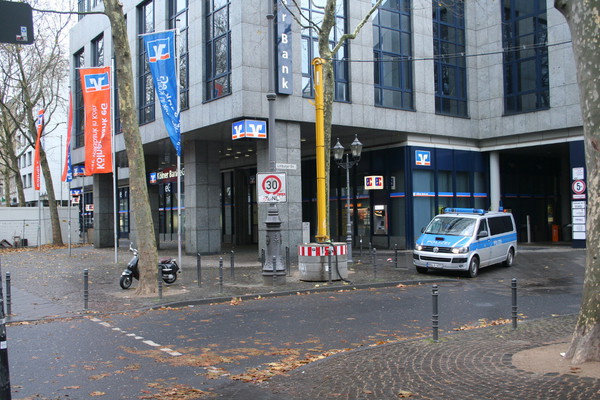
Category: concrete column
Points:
column 290, row 213
column 104, row 233
column 494, row 181
column 202, row 197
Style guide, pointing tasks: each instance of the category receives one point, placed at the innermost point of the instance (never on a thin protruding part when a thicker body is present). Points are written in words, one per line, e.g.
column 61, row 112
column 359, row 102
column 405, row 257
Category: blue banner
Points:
column 160, row 48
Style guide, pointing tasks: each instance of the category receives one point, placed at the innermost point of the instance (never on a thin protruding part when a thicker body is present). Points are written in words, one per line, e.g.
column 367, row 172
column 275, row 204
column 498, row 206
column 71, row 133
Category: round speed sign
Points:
column 271, row 184
column 578, row 186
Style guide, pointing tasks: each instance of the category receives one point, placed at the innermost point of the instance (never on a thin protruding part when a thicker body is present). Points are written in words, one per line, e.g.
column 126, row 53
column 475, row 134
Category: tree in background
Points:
column 328, row 53
column 35, row 75
column 583, row 18
column 140, row 201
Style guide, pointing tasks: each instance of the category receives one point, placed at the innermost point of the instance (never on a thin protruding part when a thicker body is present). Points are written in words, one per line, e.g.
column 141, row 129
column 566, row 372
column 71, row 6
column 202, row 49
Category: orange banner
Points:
column 97, row 130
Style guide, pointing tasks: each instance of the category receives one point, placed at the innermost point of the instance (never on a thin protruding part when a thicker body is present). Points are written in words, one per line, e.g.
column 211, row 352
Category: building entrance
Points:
column 239, row 209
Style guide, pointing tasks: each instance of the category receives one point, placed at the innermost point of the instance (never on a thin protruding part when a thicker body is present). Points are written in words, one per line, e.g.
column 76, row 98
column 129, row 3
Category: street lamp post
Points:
column 338, row 155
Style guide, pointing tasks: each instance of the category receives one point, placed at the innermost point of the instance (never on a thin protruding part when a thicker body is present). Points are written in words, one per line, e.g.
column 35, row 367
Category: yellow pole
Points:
column 322, row 235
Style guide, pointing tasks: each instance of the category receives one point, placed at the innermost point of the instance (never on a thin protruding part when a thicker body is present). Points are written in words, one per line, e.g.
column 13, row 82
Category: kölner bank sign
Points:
column 284, row 49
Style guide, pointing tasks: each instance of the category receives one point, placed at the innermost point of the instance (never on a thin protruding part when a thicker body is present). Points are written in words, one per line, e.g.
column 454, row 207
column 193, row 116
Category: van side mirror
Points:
column 482, row 234
column 423, row 230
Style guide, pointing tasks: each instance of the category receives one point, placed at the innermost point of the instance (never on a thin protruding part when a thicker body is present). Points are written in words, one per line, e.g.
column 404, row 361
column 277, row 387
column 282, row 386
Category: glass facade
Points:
column 526, row 73
column 392, row 51
column 450, row 70
column 218, row 49
column 145, row 84
column 313, row 10
column 98, row 51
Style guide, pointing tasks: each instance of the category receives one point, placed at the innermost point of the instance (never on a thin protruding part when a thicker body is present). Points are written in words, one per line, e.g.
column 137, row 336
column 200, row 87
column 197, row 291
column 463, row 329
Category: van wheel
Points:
column 473, row 267
column 421, row 270
column 510, row 258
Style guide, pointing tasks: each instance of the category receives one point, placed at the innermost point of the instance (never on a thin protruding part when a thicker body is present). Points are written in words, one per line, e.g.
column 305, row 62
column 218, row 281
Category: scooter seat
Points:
column 165, row 260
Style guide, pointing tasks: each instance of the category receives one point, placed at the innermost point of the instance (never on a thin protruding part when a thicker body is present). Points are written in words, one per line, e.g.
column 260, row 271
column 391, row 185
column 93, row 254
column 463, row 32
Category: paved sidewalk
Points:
column 49, row 282
column 475, row 364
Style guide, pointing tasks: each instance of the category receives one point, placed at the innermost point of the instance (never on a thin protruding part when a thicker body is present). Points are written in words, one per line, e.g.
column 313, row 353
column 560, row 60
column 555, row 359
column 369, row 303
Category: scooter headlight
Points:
column 460, row 250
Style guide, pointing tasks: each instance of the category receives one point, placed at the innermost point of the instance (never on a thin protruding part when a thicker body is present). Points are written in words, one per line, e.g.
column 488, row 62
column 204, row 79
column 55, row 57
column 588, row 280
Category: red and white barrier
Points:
column 312, row 250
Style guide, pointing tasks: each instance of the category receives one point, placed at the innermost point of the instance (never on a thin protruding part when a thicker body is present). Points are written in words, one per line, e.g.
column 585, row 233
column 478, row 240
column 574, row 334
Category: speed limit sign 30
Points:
column 271, row 188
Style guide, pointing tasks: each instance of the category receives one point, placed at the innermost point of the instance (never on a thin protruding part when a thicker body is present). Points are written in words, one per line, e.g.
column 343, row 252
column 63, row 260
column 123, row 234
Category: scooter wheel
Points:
column 125, row 282
column 170, row 278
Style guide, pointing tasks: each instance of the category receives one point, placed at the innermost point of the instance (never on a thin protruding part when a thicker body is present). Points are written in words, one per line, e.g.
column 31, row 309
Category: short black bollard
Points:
column 274, row 269
column 86, row 287
column 360, row 240
column 288, row 261
column 5, row 392
column 220, row 274
column 514, row 303
column 199, row 268
column 396, row 256
column 435, row 316
column 8, row 295
column 374, row 255
column 232, row 265
column 159, row 277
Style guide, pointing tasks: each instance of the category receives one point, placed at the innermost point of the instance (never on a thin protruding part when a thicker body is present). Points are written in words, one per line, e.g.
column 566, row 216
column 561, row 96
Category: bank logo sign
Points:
column 248, row 128
column 158, row 50
column 96, row 82
column 423, row 158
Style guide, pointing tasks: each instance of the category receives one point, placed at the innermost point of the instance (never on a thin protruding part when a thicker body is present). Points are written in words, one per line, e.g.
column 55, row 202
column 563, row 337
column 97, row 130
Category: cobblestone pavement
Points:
column 475, row 364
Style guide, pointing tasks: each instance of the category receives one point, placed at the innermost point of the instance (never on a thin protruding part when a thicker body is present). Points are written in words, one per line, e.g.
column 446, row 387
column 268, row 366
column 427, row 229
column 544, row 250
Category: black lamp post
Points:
column 338, row 155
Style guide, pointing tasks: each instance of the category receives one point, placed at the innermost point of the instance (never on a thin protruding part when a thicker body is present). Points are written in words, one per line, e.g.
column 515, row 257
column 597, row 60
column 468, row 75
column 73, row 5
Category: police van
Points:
column 466, row 239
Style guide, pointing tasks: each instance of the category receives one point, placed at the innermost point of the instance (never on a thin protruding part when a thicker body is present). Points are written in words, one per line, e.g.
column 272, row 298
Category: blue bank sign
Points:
column 248, row 128
column 284, row 49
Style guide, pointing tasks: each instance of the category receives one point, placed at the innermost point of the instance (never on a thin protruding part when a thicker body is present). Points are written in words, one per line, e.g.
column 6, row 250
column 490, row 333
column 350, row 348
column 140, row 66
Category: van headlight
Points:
column 418, row 247
column 460, row 250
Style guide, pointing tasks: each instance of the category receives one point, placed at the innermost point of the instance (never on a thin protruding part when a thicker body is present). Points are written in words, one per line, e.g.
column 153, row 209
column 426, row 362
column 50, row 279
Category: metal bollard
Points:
column 199, row 268
column 514, row 303
column 86, row 293
column 159, row 282
column 232, row 265
column 8, row 295
column 396, row 256
column 288, row 269
column 220, row 274
column 274, row 269
column 435, row 316
column 360, row 247
column 374, row 258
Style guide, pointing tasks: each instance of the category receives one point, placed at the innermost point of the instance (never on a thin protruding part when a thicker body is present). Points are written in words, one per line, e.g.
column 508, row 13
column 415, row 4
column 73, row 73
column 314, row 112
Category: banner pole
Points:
column 114, row 162
column 69, row 217
column 177, row 77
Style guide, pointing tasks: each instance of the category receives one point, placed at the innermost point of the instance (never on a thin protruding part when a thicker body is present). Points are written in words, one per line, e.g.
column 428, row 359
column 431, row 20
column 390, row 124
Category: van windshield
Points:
column 456, row 226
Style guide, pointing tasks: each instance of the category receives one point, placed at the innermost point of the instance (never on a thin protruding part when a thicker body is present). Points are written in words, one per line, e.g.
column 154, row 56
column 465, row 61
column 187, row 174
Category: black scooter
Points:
column 168, row 266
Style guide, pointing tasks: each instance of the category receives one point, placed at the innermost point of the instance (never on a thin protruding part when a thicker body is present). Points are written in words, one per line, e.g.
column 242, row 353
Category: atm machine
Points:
column 380, row 220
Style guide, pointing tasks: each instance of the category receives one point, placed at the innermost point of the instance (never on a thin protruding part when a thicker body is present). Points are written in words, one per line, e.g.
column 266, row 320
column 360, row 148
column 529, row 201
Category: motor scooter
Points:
column 168, row 267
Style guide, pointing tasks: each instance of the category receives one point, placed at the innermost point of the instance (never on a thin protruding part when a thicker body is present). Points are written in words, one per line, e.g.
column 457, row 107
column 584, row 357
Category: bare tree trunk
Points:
column 135, row 152
column 54, row 219
column 583, row 20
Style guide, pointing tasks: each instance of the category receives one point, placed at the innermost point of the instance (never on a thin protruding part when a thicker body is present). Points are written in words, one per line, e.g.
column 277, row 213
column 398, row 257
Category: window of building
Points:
column 392, row 51
column 79, row 62
column 526, row 73
column 28, row 159
column 178, row 18
column 450, row 72
column 313, row 11
column 98, row 51
column 218, row 49
column 145, row 84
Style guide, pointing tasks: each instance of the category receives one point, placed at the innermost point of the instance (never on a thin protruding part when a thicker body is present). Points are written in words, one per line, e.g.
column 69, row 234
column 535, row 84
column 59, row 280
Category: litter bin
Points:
column 555, row 237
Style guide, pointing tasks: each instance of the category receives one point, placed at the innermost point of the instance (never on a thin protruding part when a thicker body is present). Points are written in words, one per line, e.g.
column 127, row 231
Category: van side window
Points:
column 500, row 225
column 482, row 227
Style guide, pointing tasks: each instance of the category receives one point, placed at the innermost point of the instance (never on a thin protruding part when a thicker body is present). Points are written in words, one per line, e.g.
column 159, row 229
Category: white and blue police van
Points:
column 466, row 239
